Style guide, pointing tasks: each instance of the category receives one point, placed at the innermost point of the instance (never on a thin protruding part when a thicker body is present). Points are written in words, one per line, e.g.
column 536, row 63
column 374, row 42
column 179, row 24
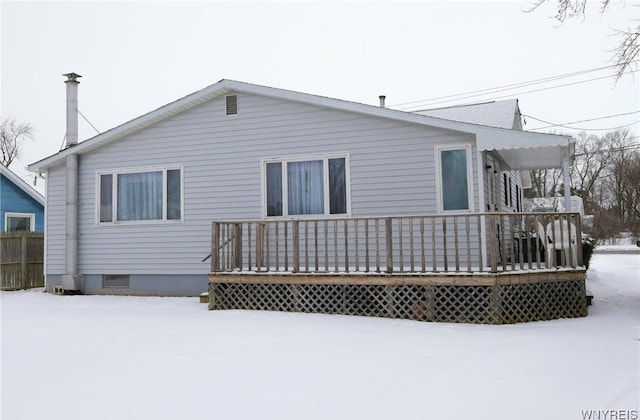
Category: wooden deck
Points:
column 486, row 267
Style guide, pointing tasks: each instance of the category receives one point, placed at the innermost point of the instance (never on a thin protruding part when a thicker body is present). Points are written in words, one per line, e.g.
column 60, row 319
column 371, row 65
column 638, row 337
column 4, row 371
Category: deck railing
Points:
column 460, row 243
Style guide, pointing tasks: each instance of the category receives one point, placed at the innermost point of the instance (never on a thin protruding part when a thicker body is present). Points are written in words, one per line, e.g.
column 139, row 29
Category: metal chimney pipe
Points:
column 71, row 256
column 72, row 108
column 71, row 279
column 382, row 98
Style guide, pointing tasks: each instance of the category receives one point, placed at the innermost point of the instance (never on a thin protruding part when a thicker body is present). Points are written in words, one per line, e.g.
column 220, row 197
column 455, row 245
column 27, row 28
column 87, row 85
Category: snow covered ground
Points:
column 106, row 357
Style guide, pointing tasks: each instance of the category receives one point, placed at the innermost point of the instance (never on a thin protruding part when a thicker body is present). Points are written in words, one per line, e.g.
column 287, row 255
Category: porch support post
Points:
column 567, row 184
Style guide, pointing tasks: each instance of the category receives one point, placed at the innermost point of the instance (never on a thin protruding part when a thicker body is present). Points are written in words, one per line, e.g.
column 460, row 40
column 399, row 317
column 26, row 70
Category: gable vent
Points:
column 232, row 104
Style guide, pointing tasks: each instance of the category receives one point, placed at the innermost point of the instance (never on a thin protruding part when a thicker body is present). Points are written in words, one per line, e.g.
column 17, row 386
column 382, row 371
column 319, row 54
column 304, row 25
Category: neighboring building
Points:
column 148, row 190
column 21, row 206
column 500, row 114
column 553, row 204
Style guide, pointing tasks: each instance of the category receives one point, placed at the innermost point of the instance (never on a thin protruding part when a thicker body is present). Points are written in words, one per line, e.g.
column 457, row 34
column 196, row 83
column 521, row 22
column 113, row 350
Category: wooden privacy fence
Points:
column 460, row 243
column 21, row 260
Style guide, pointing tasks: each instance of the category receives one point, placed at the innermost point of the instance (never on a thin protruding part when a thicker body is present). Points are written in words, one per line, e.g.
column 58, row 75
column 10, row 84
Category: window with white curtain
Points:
column 298, row 187
column 129, row 196
column 453, row 172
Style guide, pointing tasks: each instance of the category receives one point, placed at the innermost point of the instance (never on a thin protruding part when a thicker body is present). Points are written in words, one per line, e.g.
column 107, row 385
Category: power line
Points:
column 579, row 128
column 542, row 80
column 531, row 91
column 615, row 149
column 502, row 88
column 581, row 121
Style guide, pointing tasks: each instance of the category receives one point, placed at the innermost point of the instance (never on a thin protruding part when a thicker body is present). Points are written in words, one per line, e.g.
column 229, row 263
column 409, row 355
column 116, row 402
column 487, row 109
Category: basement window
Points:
column 232, row 104
column 115, row 281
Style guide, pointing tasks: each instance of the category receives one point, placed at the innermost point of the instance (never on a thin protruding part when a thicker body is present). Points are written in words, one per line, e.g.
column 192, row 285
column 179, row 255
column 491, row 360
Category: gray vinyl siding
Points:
column 56, row 221
column 391, row 171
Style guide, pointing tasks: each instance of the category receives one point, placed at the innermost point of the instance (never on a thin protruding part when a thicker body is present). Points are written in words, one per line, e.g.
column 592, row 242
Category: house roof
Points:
column 549, row 148
column 502, row 114
column 20, row 183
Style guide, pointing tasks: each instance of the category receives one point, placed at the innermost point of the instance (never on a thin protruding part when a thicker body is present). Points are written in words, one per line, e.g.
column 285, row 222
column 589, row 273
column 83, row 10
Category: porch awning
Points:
column 527, row 150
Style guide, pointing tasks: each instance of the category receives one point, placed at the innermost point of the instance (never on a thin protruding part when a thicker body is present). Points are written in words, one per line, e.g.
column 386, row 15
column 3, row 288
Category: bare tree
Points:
column 605, row 172
column 544, row 183
column 623, row 179
column 12, row 134
column 628, row 47
column 590, row 160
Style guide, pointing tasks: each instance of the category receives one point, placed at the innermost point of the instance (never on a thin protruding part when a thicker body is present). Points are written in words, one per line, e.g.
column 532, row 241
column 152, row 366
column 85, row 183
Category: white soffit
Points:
column 534, row 158
column 527, row 150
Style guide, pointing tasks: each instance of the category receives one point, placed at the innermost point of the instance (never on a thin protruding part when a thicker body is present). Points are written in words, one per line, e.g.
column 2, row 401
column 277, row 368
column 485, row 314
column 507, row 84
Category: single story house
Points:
column 21, row 206
column 242, row 189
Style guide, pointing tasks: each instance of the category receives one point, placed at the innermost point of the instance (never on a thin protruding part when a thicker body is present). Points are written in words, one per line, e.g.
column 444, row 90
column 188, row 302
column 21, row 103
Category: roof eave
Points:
column 225, row 86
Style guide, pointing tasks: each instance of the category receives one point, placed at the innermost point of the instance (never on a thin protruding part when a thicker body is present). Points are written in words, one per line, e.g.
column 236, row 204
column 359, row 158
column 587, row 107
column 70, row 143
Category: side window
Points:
column 454, row 178
column 510, row 192
column 127, row 196
column 505, row 184
column 18, row 222
column 298, row 187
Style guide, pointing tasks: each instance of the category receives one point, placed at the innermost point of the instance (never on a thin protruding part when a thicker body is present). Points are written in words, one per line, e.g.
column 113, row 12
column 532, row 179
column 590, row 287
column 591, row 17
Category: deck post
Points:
column 259, row 245
column 493, row 245
column 215, row 247
column 388, row 230
column 296, row 246
column 238, row 247
column 578, row 223
column 444, row 244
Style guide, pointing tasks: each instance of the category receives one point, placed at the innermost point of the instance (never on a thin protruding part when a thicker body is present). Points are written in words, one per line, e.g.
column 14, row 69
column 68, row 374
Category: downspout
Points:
column 72, row 280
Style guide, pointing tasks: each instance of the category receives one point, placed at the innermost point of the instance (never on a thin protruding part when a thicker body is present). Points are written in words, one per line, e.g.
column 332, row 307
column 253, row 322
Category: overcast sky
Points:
column 137, row 56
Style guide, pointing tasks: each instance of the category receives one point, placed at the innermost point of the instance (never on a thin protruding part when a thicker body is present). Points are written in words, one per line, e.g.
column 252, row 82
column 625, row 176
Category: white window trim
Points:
column 114, row 194
column 31, row 216
column 453, row 146
column 285, row 199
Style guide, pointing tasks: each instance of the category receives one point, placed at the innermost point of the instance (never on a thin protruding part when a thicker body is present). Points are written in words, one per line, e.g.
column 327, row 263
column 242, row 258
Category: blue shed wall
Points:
column 15, row 200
